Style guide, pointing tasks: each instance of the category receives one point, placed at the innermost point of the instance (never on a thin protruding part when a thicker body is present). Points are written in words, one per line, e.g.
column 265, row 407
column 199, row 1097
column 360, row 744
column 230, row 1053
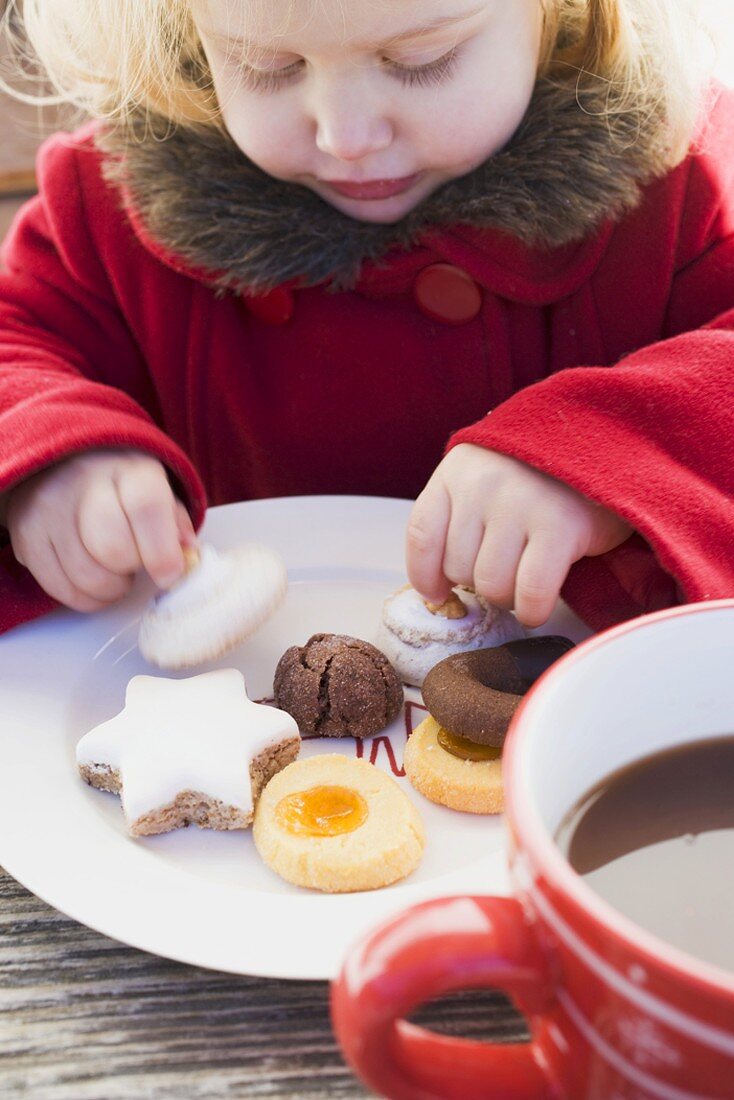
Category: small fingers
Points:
column 150, row 507
column 33, row 548
column 463, row 541
column 85, row 573
column 543, row 568
column 47, row 569
column 495, row 571
column 186, row 533
column 105, row 531
column 425, row 543
column 82, row 529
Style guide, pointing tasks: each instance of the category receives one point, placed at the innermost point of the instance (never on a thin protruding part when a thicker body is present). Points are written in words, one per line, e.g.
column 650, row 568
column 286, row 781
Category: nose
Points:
column 350, row 126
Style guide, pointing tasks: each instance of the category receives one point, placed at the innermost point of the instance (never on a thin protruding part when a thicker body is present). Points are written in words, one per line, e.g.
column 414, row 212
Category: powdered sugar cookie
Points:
column 472, row 783
column 194, row 751
column 337, row 824
column 223, row 599
column 415, row 636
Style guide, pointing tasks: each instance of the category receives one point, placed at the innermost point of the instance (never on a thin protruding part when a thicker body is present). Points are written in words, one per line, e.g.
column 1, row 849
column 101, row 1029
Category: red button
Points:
column 446, row 293
column 275, row 307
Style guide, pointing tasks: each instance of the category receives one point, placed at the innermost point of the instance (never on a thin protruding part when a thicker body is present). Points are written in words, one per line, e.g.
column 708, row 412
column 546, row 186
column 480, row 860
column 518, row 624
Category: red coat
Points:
column 608, row 364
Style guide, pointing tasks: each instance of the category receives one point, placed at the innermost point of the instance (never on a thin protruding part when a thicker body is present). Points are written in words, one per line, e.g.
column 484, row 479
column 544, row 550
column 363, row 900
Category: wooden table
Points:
column 83, row 1017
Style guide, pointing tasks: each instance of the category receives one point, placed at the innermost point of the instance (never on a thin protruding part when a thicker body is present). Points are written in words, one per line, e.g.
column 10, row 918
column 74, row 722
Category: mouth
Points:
column 372, row 189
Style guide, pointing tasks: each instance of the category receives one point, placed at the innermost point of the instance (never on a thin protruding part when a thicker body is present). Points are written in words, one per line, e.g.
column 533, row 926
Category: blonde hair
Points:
column 114, row 57
column 640, row 50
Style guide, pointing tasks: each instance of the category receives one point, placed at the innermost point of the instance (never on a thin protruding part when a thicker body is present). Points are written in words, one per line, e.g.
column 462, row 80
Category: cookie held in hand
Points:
column 194, row 751
column 338, row 686
column 223, row 598
column 416, row 635
column 336, row 824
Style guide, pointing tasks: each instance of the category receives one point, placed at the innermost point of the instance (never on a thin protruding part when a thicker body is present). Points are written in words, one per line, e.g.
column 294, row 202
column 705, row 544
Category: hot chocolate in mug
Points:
column 615, row 1012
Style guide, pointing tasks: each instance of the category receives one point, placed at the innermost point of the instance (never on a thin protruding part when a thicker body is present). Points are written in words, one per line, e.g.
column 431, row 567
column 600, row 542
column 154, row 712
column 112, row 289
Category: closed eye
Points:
column 434, row 72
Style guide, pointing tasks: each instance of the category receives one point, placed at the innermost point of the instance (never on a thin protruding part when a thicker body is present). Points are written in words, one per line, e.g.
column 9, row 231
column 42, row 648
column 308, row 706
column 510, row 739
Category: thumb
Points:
column 186, row 533
column 608, row 530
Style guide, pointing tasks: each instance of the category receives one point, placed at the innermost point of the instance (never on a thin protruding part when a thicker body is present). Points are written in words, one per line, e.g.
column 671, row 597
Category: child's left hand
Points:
column 505, row 529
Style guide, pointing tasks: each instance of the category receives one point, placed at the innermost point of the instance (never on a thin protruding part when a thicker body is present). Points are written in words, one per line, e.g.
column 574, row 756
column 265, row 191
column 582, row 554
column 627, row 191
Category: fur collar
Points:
column 573, row 163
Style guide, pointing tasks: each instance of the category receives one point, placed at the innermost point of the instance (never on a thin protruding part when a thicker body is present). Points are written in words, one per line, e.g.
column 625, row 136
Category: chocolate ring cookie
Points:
column 475, row 694
column 337, row 686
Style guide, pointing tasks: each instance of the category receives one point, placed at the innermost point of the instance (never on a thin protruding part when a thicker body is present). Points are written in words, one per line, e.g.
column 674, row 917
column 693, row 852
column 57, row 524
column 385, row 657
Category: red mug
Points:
column 614, row 1012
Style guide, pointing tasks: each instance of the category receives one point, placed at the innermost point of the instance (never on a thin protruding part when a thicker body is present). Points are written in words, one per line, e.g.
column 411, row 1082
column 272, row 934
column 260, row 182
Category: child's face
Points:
column 328, row 92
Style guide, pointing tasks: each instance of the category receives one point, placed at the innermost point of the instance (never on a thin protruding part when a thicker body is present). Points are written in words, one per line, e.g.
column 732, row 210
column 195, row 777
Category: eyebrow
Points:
column 413, row 32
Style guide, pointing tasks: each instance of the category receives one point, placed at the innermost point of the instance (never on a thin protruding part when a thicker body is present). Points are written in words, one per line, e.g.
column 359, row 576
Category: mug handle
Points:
column 430, row 949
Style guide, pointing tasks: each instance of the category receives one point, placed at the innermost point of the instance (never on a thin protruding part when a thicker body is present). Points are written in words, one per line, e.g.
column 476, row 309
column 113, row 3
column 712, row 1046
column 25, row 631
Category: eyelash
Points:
column 262, row 80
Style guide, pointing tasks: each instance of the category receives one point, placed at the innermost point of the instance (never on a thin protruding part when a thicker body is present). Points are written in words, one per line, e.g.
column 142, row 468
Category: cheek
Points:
column 261, row 126
column 482, row 115
column 264, row 133
column 471, row 128
column 479, row 115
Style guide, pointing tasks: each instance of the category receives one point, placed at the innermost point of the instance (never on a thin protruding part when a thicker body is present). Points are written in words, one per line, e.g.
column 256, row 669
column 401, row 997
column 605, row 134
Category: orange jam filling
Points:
column 466, row 749
column 322, row 811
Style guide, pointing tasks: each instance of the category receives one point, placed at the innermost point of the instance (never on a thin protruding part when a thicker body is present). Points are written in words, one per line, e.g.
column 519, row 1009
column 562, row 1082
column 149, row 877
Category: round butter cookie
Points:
column 474, row 786
column 223, row 599
column 337, row 824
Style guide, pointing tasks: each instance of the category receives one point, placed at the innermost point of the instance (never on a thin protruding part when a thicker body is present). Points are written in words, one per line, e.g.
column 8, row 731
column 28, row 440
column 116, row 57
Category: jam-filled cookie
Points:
column 222, row 599
column 453, row 771
column 416, row 635
column 337, row 824
column 338, row 686
column 454, row 756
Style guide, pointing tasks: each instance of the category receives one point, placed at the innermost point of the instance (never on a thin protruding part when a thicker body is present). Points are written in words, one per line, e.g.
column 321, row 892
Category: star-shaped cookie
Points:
column 192, row 750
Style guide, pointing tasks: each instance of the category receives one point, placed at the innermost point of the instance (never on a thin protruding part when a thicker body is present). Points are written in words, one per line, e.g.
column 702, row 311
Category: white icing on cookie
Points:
column 211, row 575
column 415, row 639
column 198, row 734
column 406, row 615
column 218, row 604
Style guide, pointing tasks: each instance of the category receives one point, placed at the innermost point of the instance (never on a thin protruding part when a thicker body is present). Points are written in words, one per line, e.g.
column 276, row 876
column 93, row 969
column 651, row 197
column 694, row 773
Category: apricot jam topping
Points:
column 466, row 749
column 322, row 811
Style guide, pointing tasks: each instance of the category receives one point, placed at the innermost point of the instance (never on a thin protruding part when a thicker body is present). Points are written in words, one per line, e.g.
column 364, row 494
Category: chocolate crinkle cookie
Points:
column 337, row 686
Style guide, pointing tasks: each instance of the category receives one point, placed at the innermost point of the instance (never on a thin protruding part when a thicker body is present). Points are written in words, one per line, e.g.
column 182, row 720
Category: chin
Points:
column 376, row 217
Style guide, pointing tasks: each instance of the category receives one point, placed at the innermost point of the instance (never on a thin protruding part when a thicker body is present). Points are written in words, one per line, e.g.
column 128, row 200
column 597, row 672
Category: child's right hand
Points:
column 84, row 527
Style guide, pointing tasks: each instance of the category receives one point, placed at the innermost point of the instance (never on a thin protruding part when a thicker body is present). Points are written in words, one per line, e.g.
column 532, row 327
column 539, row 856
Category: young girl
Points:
column 311, row 247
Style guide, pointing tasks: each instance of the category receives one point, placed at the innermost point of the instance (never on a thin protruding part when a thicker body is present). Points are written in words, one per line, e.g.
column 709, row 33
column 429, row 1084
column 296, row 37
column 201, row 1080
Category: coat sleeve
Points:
column 71, row 374
column 651, row 437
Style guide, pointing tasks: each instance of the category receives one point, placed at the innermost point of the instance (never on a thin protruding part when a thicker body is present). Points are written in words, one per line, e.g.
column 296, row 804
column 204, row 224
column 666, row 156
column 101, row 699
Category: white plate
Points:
column 199, row 896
